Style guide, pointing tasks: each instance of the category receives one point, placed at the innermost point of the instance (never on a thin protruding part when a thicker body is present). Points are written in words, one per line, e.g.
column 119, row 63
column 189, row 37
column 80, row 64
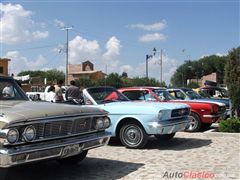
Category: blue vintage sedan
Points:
column 133, row 122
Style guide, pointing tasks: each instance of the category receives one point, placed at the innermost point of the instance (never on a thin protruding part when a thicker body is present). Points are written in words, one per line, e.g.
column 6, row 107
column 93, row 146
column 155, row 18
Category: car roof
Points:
column 6, row 77
column 142, row 87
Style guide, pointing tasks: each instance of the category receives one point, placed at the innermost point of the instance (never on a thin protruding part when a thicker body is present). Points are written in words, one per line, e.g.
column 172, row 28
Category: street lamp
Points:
column 147, row 58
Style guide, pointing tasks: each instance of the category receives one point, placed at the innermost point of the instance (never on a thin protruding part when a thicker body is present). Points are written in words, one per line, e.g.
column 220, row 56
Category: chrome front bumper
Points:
column 167, row 127
column 12, row 156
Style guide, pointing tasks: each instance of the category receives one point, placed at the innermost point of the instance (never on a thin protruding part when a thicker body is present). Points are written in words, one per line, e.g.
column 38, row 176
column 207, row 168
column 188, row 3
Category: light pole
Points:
column 66, row 29
column 161, row 66
column 147, row 58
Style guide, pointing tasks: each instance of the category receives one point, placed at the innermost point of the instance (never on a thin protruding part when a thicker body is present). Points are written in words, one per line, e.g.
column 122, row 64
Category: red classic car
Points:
column 203, row 114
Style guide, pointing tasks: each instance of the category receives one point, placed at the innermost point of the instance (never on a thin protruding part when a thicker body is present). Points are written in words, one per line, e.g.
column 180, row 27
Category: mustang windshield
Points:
column 193, row 95
column 106, row 95
column 163, row 94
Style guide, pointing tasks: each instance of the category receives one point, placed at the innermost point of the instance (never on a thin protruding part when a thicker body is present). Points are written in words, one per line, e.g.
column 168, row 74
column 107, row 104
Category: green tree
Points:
column 113, row 79
column 84, row 83
column 144, row 82
column 196, row 69
column 54, row 75
column 51, row 75
column 33, row 73
column 232, row 78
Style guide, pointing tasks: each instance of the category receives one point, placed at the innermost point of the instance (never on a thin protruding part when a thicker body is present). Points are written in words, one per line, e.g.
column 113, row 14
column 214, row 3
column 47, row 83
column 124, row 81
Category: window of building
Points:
column 1, row 69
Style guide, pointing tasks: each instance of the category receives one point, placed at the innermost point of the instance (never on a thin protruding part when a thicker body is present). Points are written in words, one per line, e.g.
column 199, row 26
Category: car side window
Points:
column 147, row 96
column 7, row 90
column 180, row 95
column 134, row 95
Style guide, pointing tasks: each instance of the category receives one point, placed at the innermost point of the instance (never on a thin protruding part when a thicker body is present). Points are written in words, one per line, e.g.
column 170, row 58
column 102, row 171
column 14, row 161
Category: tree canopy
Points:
column 232, row 78
column 196, row 69
column 52, row 75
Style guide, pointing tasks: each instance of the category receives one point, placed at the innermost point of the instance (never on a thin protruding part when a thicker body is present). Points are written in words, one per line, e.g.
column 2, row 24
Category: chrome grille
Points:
column 221, row 109
column 180, row 112
column 52, row 129
column 44, row 153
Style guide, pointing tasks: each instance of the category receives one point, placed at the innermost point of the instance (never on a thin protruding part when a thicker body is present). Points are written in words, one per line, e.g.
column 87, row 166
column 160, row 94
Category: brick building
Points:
column 84, row 71
column 4, row 66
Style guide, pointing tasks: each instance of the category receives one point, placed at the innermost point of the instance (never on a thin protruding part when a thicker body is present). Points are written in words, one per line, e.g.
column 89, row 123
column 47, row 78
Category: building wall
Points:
column 4, row 66
column 74, row 68
column 90, row 76
column 210, row 77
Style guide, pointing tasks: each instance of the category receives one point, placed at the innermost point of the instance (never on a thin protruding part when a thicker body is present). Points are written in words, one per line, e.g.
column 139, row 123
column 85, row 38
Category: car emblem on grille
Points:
column 83, row 125
column 181, row 112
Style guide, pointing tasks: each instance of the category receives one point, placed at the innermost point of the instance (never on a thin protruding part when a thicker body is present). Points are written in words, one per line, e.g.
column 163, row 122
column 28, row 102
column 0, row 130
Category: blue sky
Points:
column 116, row 34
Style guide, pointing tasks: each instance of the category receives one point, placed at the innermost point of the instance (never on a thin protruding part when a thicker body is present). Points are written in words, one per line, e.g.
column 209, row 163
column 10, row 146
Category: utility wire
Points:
column 32, row 48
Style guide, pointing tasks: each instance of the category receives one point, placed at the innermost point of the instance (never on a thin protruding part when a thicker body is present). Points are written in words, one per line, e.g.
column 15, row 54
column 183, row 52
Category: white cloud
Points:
column 81, row 49
column 59, row 23
column 17, row 25
column 153, row 37
column 111, row 56
column 113, row 47
column 158, row 26
column 20, row 63
column 154, row 68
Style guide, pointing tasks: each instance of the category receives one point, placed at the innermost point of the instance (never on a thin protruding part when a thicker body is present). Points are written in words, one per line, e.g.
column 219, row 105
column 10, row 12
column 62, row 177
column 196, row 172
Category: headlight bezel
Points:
column 107, row 122
column 25, row 133
column 98, row 121
column 160, row 115
column 17, row 135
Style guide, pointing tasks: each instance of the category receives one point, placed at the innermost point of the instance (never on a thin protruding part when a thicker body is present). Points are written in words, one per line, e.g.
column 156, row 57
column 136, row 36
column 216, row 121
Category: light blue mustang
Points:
column 133, row 122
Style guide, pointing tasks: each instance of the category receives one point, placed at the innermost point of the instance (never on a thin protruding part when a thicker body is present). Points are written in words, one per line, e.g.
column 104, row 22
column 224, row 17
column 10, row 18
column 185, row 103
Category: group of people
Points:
column 55, row 93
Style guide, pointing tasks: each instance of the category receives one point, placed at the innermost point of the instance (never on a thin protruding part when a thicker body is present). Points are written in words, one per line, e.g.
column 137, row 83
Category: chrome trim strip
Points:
column 49, row 119
column 6, row 154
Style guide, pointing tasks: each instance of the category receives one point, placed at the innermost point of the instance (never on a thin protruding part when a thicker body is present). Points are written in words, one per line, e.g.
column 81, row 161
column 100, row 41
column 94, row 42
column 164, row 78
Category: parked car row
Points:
column 34, row 130
column 189, row 94
column 203, row 114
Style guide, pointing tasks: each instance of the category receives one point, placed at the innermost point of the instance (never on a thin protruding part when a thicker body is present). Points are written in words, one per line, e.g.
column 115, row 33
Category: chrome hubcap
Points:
column 132, row 135
column 192, row 123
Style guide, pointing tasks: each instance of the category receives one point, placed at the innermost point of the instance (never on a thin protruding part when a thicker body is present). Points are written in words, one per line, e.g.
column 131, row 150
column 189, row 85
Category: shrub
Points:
column 230, row 125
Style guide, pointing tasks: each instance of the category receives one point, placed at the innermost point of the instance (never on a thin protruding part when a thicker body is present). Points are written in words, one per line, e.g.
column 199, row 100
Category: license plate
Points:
column 71, row 150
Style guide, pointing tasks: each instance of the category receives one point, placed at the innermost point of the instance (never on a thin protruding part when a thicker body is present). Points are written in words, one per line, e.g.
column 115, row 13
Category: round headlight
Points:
column 106, row 122
column 99, row 123
column 12, row 135
column 29, row 133
column 160, row 115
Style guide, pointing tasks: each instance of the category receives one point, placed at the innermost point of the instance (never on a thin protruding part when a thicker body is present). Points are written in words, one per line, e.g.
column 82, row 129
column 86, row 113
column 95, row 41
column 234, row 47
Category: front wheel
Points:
column 132, row 135
column 164, row 137
column 194, row 123
column 72, row 160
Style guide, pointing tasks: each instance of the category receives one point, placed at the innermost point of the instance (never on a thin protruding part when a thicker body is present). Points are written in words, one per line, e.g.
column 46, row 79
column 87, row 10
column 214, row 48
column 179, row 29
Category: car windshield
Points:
column 193, row 95
column 163, row 94
column 9, row 90
column 104, row 95
column 224, row 93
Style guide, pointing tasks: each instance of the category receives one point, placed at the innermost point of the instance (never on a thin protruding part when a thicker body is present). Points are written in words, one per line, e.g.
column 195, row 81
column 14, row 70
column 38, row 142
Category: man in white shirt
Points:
column 51, row 96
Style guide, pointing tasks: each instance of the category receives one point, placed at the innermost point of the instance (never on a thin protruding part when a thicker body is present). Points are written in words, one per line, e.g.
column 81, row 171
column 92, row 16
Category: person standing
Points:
column 73, row 92
column 51, row 96
column 58, row 91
